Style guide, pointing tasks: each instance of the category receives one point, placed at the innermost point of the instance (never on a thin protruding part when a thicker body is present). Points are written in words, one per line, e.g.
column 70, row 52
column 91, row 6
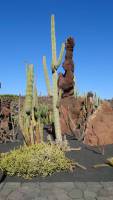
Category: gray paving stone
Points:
column 30, row 193
column 91, row 184
column 59, row 194
column 16, row 196
column 75, row 194
column 91, row 198
column 2, row 198
column 44, row 185
column 2, row 185
column 105, row 198
column 12, row 184
column 30, row 185
column 93, row 190
column 105, row 192
column 51, row 197
column 56, row 191
column 80, row 185
column 77, row 199
column 25, row 193
column 89, row 194
column 8, row 188
column 46, row 193
column 107, row 184
column 94, row 187
column 64, row 185
column 62, row 197
column 59, row 191
column 40, row 198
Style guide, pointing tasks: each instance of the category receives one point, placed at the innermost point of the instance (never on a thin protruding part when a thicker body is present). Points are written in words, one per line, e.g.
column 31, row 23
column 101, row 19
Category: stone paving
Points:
column 56, row 191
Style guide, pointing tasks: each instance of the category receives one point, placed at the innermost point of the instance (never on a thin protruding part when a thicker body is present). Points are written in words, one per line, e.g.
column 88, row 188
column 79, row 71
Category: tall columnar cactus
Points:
column 29, row 89
column 55, row 64
column 46, row 77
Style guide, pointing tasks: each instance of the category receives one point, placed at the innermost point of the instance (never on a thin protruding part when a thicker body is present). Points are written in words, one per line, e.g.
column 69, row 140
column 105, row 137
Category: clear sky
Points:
column 25, row 37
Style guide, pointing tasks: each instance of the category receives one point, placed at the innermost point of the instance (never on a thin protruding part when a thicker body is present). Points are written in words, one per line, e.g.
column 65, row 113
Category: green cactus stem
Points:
column 46, row 76
column 35, row 97
column 55, row 65
column 29, row 89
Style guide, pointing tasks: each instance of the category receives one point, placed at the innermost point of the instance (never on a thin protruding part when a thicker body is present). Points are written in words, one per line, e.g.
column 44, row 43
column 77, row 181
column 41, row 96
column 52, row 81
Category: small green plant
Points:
column 44, row 114
column 36, row 160
column 97, row 101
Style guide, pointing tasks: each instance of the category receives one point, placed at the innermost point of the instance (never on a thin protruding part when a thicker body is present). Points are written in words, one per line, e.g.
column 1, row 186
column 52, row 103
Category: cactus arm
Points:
column 46, row 76
column 53, row 41
column 60, row 56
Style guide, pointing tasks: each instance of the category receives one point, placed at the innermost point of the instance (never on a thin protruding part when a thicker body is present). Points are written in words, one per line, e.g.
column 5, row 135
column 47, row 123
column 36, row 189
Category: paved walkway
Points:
column 56, row 191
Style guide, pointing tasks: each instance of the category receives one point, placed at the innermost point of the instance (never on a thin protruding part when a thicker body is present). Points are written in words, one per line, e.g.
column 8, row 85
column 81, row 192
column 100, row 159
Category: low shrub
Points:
column 41, row 159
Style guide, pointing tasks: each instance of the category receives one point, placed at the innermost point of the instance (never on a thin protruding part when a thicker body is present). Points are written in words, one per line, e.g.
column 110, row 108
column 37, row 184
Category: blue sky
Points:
column 25, row 37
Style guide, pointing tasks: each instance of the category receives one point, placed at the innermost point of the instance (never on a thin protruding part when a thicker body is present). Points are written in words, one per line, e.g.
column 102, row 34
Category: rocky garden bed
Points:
column 86, row 157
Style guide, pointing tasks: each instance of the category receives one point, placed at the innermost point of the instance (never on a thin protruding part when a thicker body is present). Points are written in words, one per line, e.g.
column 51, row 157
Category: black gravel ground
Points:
column 87, row 156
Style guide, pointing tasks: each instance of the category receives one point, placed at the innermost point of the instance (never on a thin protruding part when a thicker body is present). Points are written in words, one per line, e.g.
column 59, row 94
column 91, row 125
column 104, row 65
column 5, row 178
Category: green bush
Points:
column 9, row 97
column 43, row 114
column 28, row 162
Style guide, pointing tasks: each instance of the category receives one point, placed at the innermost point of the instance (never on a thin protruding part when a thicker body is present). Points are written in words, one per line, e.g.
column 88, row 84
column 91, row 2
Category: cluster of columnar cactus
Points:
column 30, row 125
column 33, row 116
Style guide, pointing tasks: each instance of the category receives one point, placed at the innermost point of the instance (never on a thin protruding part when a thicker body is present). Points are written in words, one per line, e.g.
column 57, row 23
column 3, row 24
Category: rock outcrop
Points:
column 99, row 128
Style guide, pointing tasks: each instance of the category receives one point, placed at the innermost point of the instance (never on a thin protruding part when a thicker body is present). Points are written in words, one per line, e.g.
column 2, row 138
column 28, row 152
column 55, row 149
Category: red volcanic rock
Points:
column 66, row 80
column 99, row 129
column 70, row 108
column 5, row 112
